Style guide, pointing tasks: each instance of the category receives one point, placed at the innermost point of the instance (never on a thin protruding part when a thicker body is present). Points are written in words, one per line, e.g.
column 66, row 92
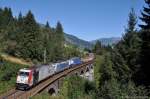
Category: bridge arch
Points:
column 52, row 91
column 82, row 72
column 76, row 73
column 87, row 69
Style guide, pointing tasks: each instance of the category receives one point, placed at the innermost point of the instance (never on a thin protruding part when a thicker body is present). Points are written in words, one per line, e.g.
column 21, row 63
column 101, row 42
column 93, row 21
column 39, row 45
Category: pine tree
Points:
column 7, row 17
column 1, row 18
column 20, row 19
column 98, row 48
column 145, row 48
column 131, row 42
column 146, row 16
column 59, row 33
column 131, row 21
column 8, row 30
column 123, row 73
column 48, row 42
column 6, row 21
column 59, row 38
column 19, row 27
column 106, row 70
column 1, row 29
column 126, row 52
column 47, row 25
column 31, row 42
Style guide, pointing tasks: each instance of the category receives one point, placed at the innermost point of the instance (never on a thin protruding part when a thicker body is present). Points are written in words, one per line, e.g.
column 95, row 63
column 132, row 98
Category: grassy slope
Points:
column 15, row 60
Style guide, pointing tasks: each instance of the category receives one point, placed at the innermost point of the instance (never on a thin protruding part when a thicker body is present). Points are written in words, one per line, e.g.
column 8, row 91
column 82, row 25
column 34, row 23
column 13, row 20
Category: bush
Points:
column 115, row 90
column 8, row 73
column 1, row 59
column 7, row 76
column 89, row 87
column 77, row 88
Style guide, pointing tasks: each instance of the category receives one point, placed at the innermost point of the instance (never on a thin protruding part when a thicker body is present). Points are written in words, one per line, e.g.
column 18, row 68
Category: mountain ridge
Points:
column 107, row 41
column 71, row 39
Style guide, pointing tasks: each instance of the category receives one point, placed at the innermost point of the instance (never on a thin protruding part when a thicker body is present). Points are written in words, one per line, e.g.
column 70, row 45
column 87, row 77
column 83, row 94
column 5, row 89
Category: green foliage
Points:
column 8, row 73
column 122, row 70
column 106, row 70
column 89, row 87
column 109, row 90
column 145, row 48
column 48, row 43
column 98, row 48
column 1, row 59
column 73, row 40
column 7, row 76
column 7, row 24
column 71, row 51
column 74, row 88
column 77, row 88
column 60, row 41
column 131, row 21
column 30, row 45
column 125, row 55
column 97, row 65
column 113, row 89
column 111, row 81
column 103, row 70
column 145, row 16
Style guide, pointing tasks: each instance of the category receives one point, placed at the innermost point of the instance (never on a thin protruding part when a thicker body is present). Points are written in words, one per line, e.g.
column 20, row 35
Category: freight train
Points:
column 29, row 77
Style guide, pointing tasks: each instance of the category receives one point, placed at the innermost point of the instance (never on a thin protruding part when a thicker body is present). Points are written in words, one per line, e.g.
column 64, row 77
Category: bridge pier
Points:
column 88, row 73
column 52, row 89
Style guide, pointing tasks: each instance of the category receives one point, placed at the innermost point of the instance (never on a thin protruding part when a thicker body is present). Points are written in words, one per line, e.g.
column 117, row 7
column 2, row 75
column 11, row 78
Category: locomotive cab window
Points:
column 24, row 73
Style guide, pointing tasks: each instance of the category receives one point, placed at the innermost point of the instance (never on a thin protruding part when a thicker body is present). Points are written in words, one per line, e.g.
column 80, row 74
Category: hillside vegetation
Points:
column 8, row 72
column 107, row 41
column 15, row 59
column 73, row 40
column 25, row 38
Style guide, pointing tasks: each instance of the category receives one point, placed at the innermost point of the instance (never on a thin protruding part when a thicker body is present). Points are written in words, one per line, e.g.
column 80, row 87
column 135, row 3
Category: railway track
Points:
column 12, row 95
column 18, row 94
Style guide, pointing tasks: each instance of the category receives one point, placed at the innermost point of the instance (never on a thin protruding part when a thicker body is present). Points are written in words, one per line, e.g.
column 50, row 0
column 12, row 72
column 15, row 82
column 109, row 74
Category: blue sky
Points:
column 86, row 19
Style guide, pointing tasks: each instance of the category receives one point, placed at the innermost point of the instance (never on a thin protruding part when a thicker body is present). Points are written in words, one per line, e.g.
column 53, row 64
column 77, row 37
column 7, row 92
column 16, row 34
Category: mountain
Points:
column 70, row 39
column 107, row 41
